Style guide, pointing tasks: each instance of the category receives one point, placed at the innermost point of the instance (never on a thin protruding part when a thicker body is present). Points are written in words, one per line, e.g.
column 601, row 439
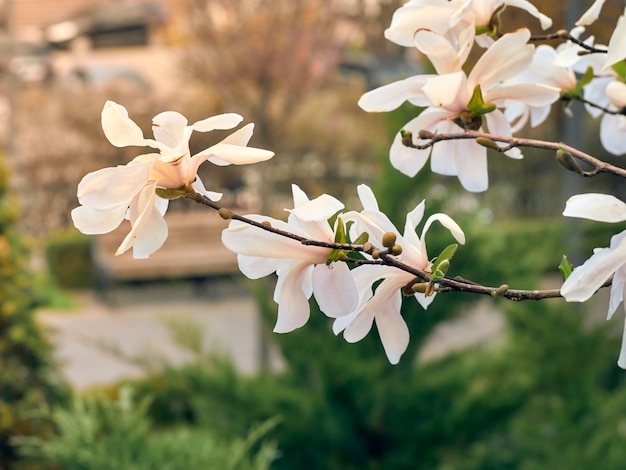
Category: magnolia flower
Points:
column 544, row 70
column 613, row 126
column 453, row 107
column 447, row 17
column 585, row 280
column 302, row 270
column 383, row 305
column 616, row 50
column 109, row 195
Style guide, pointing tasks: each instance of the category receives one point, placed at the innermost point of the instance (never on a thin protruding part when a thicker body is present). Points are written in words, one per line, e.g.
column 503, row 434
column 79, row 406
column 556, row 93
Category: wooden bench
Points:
column 193, row 250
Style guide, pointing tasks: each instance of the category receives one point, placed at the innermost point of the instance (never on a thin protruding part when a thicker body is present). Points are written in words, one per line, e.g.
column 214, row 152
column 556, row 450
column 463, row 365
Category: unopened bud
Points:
column 407, row 138
column 421, row 287
column 375, row 254
column 267, row 223
column 567, row 161
column 176, row 193
column 503, row 289
column 425, row 134
column 341, row 256
column 396, row 250
column 225, row 213
column 486, row 142
column 389, row 239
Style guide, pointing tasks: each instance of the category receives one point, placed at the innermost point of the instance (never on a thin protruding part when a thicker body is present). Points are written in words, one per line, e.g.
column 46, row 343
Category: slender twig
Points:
column 564, row 34
column 599, row 165
column 601, row 108
column 444, row 284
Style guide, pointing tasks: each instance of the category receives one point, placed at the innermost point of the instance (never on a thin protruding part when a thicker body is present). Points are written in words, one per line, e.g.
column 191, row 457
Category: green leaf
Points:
column 446, row 255
column 340, row 234
column 566, row 268
column 361, row 239
column 620, row 69
column 477, row 105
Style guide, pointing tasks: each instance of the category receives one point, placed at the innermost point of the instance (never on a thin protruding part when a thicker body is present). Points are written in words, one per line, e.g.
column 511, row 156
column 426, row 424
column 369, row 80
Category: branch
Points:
column 444, row 284
column 564, row 34
column 599, row 165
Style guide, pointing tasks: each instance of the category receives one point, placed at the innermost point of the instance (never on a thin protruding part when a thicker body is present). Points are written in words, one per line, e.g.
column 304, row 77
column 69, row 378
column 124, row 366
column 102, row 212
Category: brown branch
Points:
column 445, row 284
column 599, row 165
column 564, row 34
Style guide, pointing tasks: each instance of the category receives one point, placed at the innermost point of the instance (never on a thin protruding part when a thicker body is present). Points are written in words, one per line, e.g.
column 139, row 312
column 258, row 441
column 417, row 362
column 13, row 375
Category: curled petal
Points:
column 334, row 289
column 239, row 137
column 444, row 57
column 255, row 267
column 545, row 21
column 119, row 129
column 169, row 128
column 599, row 207
column 617, row 291
column 448, row 223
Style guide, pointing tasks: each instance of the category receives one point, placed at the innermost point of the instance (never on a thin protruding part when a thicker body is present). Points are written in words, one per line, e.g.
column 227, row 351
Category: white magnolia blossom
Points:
column 448, row 95
column 448, row 17
column 109, row 195
column 544, row 70
column 301, row 269
column 383, row 305
column 585, row 280
column 616, row 50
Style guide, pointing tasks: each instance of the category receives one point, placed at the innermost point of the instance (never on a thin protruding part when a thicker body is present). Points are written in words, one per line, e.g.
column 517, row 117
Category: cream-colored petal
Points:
column 593, row 206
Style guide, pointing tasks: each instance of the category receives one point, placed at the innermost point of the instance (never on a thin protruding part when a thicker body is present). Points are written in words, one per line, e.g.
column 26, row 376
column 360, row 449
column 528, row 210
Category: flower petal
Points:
column 544, row 20
column 110, row 187
column 293, row 305
column 444, row 57
column 91, row 221
column 617, row 43
column 591, row 15
column 319, row 209
column 621, row 360
column 585, row 280
column 221, row 121
column 119, row 129
column 168, row 128
column 391, row 96
column 334, row 289
column 236, row 154
column 393, row 332
column 442, row 90
column 256, row 267
column 593, row 206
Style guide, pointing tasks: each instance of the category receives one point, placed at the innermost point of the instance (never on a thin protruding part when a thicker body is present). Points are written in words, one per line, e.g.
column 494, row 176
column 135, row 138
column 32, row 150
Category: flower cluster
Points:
column 356, row 264
column 131, row 191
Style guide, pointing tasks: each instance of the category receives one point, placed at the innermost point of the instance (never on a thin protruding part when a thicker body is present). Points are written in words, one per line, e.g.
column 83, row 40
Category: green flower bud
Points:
column 225, row 213
column 567, row 161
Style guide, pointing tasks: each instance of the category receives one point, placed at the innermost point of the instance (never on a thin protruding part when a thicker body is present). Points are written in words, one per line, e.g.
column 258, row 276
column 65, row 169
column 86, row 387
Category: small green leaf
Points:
column 446, row 255
column 362, row 239
column 340, row 234
column 477, row 105
column 620, row 69
column 566, row 268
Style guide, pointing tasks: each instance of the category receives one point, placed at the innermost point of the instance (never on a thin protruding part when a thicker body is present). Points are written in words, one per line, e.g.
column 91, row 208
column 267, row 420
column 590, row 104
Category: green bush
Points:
column 68, row 256
column 100, row 434
column 27, row 374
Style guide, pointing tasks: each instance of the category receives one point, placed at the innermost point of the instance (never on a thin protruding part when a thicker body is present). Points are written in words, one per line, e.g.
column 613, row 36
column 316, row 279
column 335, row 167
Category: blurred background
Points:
column 114, row 363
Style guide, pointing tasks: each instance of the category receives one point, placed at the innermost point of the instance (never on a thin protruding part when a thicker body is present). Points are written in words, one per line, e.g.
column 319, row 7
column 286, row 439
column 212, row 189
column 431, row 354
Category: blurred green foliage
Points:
column 96, row 433
column 68, row 257
column 27, row 375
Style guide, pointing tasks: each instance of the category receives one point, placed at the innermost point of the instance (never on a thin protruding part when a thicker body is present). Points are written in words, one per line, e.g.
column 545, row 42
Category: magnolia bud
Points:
column 421, row 288
column 489, row 143
column 503, row 289
column 425, row 134
column 444, row 266
column 389, row 239
column 375, row 254
column 396, row 250
column 267, row 223
column 567, row 161
column 225, row 213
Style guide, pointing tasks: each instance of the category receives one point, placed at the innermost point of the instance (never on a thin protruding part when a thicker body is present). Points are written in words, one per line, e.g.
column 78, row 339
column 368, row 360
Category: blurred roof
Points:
column 110, row 25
